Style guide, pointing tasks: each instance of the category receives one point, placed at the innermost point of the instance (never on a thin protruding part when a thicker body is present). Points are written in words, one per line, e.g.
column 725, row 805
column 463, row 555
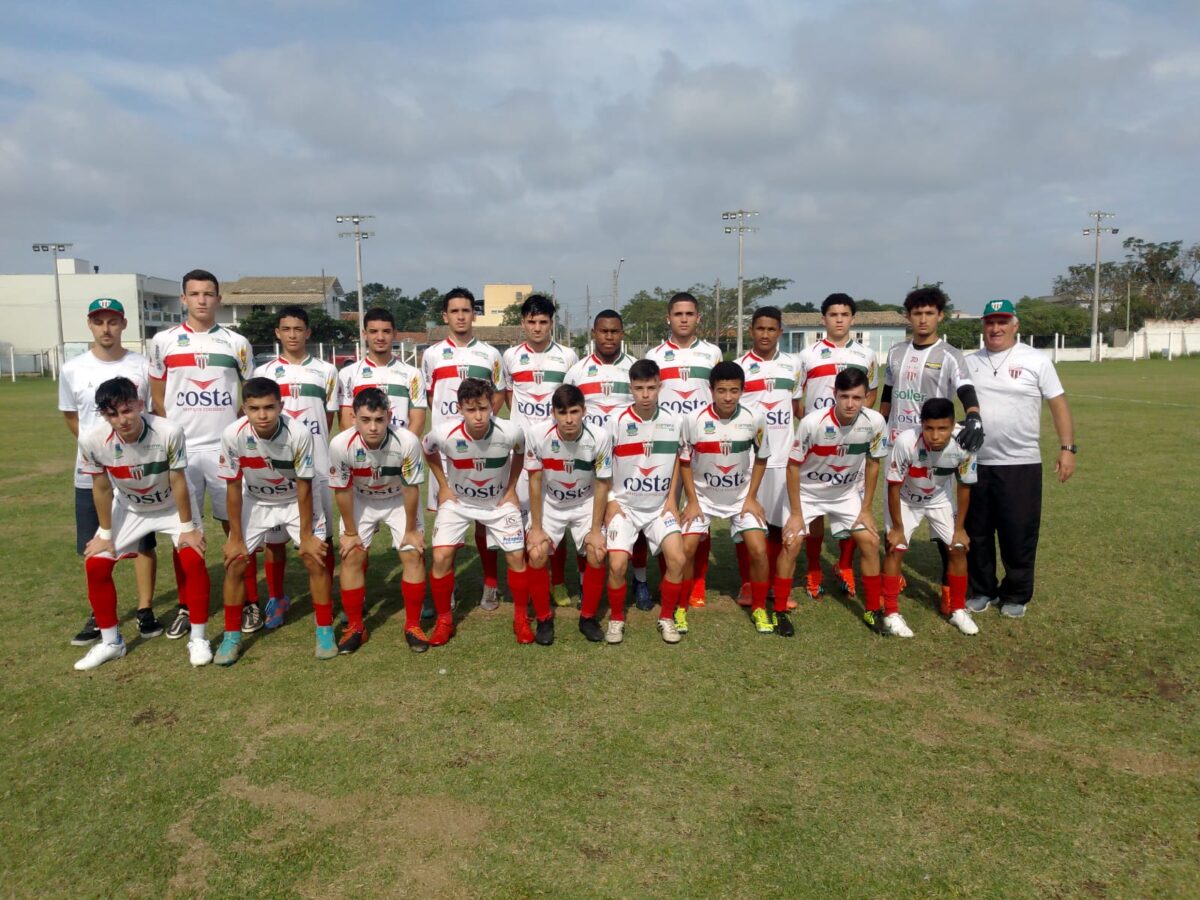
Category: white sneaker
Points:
column 616, row 632
column 490, row 599
column 961, row 619
column 100, row 654
column 896, row 626
column 199, row 652
column 670, row 634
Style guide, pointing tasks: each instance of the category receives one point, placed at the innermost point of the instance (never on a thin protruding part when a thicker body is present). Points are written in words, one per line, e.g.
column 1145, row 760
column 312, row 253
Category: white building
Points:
column 878, row 330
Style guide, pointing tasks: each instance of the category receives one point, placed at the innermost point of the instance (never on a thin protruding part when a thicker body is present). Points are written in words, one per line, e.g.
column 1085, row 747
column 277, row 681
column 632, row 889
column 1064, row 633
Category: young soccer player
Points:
column 482, row 457
column 570, row 470
column 376, row 472
column 603, row 375
column 403, row 384
column 137, row 463
column 922, row 467
column 723, row 459
column 267, row 463
column 833, row 472
column 646, row 443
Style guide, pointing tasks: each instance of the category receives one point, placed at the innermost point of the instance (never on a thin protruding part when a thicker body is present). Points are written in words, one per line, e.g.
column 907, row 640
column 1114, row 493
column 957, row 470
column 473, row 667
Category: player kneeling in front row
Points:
column 645, row 440
column 570, row 470
column 376, row 474
column 833, row 451
column 484, row 458
column 267, row 463
column 722, row 463
column 921, row 469
column 137, row 463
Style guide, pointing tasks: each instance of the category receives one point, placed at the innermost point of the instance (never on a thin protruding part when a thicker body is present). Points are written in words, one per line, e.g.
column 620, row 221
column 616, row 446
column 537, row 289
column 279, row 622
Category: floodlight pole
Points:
column 55, row 249
column 359, row 236
column 1097, row 231
column 617, row 284
column 740, row 229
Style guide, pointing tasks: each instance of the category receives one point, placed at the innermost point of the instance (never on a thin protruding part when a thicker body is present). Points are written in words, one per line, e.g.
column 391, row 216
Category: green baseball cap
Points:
column 999, row 308
column 106, row 304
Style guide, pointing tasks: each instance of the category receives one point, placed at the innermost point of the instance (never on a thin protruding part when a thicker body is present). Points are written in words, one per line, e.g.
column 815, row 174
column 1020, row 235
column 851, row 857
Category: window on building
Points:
column 520, row 296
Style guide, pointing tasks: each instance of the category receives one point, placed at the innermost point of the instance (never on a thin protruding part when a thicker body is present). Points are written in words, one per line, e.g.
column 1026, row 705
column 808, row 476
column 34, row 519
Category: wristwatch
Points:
column 1073, row 448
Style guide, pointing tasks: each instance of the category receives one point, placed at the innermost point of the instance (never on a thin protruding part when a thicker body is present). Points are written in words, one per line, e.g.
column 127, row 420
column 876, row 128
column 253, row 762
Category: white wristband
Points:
column 186, row 525
column 105, row 534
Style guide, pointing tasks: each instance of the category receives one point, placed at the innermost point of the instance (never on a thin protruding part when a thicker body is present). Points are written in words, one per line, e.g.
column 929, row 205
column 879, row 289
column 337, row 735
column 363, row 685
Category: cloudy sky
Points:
column 958, row 141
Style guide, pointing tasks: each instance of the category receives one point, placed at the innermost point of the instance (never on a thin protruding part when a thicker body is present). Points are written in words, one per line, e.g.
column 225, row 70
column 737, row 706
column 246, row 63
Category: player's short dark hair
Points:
column 682, row 297
column 458, row 293
column 849, row 379
column 115, row 392
column 292, row 312
column 567, row 395
column 839, row 300
column 926, row 296
column 371, row 398
column 256, row 388
column 473, row 389
column 378, row 314
column 726, row 370
column 767, row 312
column 937, row 408
column 537, row 305
column 643, row 370
column 200, row 275
column 607, row 314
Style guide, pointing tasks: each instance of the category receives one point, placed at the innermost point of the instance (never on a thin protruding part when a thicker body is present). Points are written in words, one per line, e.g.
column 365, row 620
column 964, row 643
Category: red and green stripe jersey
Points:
column 140, row 471
column 643, row 457
column 446, row 364
column 917, row 374
column 533, row 376
column 771, row 386
column 380, row 473
column 309, row 390
column 403, row 384
column 605, row 386
column 203, row 370
column 477, row 469
column 820, row 364
column 569, row 468
column 926, row 477
column 832, row 456
column 721, row 452
column 267, row 466
column 683, row 372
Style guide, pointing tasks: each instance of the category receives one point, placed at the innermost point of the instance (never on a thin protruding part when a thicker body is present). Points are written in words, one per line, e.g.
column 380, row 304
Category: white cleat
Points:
column 615, row 633
column 670, row 634
column 896, row 626
column 199, row 652
column 490, row 599
column 100, row 654
column 961, row 619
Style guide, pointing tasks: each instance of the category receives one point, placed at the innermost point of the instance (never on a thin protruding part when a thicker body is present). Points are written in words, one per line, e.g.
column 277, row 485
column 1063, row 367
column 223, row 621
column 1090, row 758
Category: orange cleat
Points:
column 522, row 630
column 442, row 632
column 848, row 586
column 744, row 598
column 945, row 604
column 813, row 585
column 697, row 599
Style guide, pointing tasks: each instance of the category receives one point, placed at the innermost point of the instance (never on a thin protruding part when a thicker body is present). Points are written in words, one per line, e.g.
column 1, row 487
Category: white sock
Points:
column 639, row 572
column 111, row 635
column 198, row 631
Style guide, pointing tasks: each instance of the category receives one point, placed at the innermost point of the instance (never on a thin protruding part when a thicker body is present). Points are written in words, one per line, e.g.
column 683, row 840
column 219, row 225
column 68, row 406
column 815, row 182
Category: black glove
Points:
column 970, row 436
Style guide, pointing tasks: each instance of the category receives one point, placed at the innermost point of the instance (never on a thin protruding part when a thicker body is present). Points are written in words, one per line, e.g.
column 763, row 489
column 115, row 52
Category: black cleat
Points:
column 148, row 626
column 416, row 640
column 874, row 621
column 590, row 629
column 180, row 625
column 545, row 632
column 87, row 634
column 784, row 626
column 352, row 640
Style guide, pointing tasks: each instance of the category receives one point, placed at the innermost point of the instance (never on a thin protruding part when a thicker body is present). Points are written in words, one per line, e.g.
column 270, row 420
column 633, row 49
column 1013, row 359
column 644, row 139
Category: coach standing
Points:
column 1011, row 380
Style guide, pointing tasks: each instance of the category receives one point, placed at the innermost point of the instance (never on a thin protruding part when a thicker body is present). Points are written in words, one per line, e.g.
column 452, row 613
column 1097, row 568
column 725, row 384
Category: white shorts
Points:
column 841, row 511
column 202, row 478
column 737, row 522
column 129, row 526
column 772, row 494
column 556, row 522
column 260, row 519
column 322, row 498
column 624, row 528
column 370, row 514
column 940, row 518
column 503, row 525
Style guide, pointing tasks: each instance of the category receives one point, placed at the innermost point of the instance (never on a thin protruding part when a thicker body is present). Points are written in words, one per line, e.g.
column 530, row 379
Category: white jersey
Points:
column 267, row 467
column 377, row 474
column 917, row 374
column 605, row 386
column 477, row 469
column 926, row 477
column 820, row 364
column 202, row 370
column 309, row 392
column 445, row 365
column 722, row 452
column 77, row 383
column 569, row 468
column 644, row 454
column 533, row 377
column 403, row 384
column 832, row 457
column 140, row 472
column 683, row 372
column 1011, row 386
column 771, row 386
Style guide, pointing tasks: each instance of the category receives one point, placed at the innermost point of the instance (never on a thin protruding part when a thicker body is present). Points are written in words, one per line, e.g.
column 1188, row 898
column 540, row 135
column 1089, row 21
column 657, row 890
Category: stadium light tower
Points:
column 617, row 284
column 359, row 236
column 740, row 229
column 1097, row 231
column 55, row 249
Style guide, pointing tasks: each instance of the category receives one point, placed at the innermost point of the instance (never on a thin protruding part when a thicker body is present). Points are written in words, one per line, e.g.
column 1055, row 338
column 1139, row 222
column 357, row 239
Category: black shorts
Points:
column 86, row 523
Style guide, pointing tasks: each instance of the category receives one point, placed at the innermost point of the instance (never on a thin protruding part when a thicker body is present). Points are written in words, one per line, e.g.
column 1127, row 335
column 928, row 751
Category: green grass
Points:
column 1056, row 755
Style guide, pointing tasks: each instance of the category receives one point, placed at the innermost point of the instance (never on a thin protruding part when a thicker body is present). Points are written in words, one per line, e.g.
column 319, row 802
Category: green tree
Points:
column 798, row 307
column 1165, row 275
column 258, row 327
column 962, row 333
column 866, row 305
column 412, row 313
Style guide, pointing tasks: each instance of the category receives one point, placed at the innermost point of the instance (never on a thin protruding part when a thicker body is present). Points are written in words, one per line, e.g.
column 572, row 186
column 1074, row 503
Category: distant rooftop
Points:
column 303, row 290
column 885, row 318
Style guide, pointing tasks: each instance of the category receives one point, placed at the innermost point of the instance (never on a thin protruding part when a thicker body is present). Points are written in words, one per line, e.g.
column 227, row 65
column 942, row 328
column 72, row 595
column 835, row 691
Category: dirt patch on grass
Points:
column 196, row 858
column 152, row 716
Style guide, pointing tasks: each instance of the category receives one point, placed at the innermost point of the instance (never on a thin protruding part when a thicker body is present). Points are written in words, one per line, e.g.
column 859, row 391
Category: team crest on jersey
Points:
column 538, row 376
column 479, row 463
column 360, row 455
column 922, row 455
column 251, row 443
column 668, row 356
column 726, row 447
column 768, row 384
column 830, row 432
column 554, row 446
column 201, row 360
column 376, row 473
column 460, row 446
column 447, row 353
column 606, row 388
column 117, row 451
column 135, row 473
column 1015, row 372
column 464, row 372
column 631, row 428
column 710, row 427
column 524, row 359
column 753, row 368
column 279, row 372
column 184, row 340
column 826, row 353
column 647, row 448
column 685, row 373
column 568, row 466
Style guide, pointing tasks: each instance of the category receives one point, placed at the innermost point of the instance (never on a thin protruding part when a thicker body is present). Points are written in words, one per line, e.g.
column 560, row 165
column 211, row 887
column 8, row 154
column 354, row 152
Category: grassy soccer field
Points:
column 1055, row 755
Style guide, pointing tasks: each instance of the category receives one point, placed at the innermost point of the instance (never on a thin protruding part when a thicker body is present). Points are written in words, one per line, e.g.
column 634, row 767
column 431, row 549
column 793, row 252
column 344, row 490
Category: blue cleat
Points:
column 229, row 651
column 326, row 646
column 275, row 611
column 642, row 598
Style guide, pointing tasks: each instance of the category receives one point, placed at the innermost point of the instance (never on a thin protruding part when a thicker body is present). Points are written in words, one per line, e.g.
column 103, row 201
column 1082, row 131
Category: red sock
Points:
column 518, row 586
column 783, row 590
column 958, row 592
column 640, row 553
column 195, row 589
column 669, row 592
column 233, row 618
column 616, row 602
column 323, row 612
column 891, row 594
column 685, row 591
column 593, row 587
column 873, row 589
column 352, row 605
column 758, row 594
column 558, row 564
column 274, row 572
column 442, row 588
column 774, row 548
column 700, row 563
column 743, row 562
column 180, row 577
column 250, row 579
column 846, row 553
column 488, row 559
column 812, row 551
column 102, row 593
column 413, row 593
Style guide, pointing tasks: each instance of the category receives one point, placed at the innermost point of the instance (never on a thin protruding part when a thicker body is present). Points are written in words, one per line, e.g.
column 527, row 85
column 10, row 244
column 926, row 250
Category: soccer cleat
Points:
column 252, row 619
column 699, row 590
column 896, row 626
column 590, row 629
column 1012, row 610
column 944, row 601
column 490, row 599
column 874, row 620
column 961, row 619
column 744, row 597
column 545, row 633
column 792, row 604
column 416, row 640
column 847, row 582
column 981, row 604
column 100, row 654
column 522, row 630
column 326, row 648
column 87, row 634
column 762, row 621
column 560, row 595
column 642, row 598
column 670, row 634
column 148, row 626
column 199, row 651
column 229, row 650
column 681, row 623
column 442, row 632
column 616, row 632
column 277, row 608
column 784, row 626
column 180, row 625
column 813, row 585
column 352, row 639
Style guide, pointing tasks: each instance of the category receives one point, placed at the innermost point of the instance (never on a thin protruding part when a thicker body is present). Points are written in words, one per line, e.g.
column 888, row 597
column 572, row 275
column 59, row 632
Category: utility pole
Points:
column 359, row 236
column 1097, row 231
column 717, row 300
column 55, row 249
column 740, row 229
column 617, row 284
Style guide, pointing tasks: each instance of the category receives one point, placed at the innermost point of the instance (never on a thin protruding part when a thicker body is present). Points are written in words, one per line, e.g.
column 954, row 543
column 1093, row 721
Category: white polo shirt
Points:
column 1011, row 386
